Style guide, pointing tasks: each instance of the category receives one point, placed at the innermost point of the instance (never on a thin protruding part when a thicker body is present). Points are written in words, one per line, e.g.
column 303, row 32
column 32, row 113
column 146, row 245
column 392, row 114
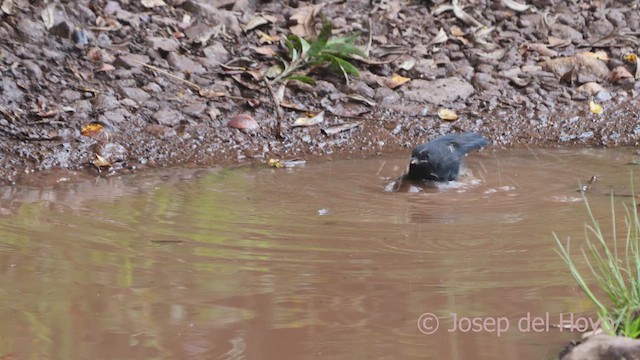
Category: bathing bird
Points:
column 440, row 159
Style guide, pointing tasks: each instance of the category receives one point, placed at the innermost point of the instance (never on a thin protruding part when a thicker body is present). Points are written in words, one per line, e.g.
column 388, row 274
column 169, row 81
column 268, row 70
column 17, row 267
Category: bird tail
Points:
column 470, row 141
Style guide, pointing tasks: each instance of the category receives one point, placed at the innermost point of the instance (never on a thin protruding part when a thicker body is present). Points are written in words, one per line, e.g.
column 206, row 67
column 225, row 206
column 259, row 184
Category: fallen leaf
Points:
column 463, row 15
column 595, row 108
column 407, row 64
column 91, row 129
column 152, row 3
column 340, row 128
column 558, row 42
column 395, row 81
column 265, row 50
column 440, row 38
column 101, row 162
column 618, row 73
column 600, row 55
column 268, row 39
column 516, row 6
column 456, row 31
column 275, row 163
column 310, row 121
column 105, row 68
column 541, row 49
column 363, row 99
column 305, row 20
column 590, row 88
column 632, row 58
column 244, row 122
column 255, row 22
column 7, row 7
column 447, row 114
column 48, row 15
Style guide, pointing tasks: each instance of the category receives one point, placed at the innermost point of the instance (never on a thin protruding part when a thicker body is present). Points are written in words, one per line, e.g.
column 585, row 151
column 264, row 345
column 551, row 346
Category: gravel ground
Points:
column 109, row 87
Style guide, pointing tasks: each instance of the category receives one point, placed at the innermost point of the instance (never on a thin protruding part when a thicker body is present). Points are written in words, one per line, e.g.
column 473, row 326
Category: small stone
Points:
column 134, row 93
column 105, row 102
column 162, row 43
column 167, row 117
column 129, row 61
column 160, row 131
column 184, row 64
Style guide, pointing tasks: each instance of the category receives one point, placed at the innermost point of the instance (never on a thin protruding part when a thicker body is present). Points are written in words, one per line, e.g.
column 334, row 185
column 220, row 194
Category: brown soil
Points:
column 69, row 64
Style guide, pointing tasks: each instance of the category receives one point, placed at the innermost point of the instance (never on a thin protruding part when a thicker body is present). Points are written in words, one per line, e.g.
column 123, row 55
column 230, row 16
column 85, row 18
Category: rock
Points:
column 70, row 95
column 600, row 28
column 565, row 32
column 603, row 347
column 185, row 64
column 160, row 131
column 438, row 91
column 167, row 117
column 113, row 152
column 62, row 29
column 214, row 15
column 195, row 109
column 134, row 93
column 162, row 43
column 385, row 96
column 10, row 91
column 129, row 61
column 217, row 52
column 105, row 102
column 31, row 30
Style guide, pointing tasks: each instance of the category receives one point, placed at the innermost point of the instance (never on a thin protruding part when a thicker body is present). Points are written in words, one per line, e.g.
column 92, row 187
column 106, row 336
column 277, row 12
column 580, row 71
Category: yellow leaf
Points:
column 275, row 163
column 91, row 129
column 595, row 108
column 268, row 39
column 395, row 81
column 447, row 115
column 632, row 58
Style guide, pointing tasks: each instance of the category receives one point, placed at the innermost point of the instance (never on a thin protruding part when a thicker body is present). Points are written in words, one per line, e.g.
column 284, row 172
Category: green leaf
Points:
column 325, row 33
column 343, row 50
column 304, row 46
column 302, row 78
column 346, row 67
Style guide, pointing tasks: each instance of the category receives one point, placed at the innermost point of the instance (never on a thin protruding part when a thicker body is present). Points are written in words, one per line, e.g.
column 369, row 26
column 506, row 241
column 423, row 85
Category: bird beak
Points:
column 415, row 161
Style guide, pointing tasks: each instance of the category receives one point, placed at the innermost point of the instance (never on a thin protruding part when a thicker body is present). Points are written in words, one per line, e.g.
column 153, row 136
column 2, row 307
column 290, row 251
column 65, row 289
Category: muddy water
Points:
column 312, row 262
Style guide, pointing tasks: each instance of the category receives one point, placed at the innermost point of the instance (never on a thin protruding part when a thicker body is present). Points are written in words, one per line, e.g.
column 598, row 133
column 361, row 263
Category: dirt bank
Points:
column 143, row 84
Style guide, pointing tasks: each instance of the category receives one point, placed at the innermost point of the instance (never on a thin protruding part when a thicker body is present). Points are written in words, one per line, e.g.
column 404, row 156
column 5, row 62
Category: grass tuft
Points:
column 616, row 273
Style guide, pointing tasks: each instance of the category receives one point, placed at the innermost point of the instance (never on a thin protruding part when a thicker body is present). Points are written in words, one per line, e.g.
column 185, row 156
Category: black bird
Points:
column 440, row 159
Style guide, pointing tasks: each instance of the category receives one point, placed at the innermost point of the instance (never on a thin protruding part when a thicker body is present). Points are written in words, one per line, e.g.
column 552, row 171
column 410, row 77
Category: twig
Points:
column 276, row 102
column 193, row 85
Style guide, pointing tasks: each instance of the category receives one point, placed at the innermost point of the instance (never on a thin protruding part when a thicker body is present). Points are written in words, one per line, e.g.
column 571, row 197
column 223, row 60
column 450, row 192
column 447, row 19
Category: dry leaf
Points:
column 516, row 6
column 340, row 128
column 595, row 108
column 7, row 7
column 244, row 122
column 48, row 15
column 395, row 81
column 618, row 73
column 558, row 42
column 310, row 121
column 101, row 162
column 105, row 68
column 267, row 39
column 600, row 55
column 463, row 15
column 152, row 3
column 305, row 20
column 456, row 31
column 275, row 163
column 255, row 22
column 447, row 115
column 265, row 50
column 440, row 38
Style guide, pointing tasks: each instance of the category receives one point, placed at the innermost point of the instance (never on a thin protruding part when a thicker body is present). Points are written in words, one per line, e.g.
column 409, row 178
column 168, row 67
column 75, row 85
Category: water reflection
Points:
column 238, row 264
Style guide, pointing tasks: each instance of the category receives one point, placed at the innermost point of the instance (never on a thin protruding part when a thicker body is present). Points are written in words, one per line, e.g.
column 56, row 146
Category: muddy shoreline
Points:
column 129, row 69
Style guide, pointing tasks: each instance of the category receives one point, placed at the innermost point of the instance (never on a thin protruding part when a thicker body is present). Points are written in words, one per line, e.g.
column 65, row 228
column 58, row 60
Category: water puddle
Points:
column 310, row 262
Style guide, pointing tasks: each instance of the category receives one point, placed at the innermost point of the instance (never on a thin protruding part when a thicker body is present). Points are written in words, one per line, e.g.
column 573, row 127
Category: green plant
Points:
column 616, row 274
column 324, row 50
